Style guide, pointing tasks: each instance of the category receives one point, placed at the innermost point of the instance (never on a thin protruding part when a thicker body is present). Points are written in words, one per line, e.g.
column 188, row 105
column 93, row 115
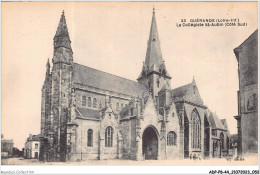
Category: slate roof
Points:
column 215, row 122
column 34, row 138
column 96, row 78
column 181, row 91
column 188, row 93
column 88, row 113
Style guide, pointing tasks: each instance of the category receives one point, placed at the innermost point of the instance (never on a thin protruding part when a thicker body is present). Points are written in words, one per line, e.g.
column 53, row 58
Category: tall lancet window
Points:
column 109, row 136
column 90, row 138
column 195, row 130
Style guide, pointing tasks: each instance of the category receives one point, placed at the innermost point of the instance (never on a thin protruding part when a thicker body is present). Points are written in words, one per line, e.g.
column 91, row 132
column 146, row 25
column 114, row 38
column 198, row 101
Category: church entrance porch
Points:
column 150, row 144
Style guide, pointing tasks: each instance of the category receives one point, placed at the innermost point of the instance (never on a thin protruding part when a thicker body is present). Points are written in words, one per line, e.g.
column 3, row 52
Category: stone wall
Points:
column 80, row 150
column 247, row 56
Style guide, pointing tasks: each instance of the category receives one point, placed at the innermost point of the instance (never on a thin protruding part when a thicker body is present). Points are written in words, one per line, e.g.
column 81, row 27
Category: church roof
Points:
column 188, row 92
column 88, row 113
column 224, row 122
column 181, row 91
column 215, row 122
column 96, row 78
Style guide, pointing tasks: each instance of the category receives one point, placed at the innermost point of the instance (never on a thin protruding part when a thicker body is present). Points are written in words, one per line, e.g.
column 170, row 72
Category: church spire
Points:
column 153, row 60
column 153, row 53
column 61, row 38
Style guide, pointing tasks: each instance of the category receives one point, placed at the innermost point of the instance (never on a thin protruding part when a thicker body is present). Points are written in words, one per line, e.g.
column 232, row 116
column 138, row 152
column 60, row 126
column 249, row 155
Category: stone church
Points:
column 88, row 114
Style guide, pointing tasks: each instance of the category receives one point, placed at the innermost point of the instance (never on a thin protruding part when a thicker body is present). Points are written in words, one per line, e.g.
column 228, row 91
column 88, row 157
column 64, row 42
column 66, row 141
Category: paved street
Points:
column 223, row 161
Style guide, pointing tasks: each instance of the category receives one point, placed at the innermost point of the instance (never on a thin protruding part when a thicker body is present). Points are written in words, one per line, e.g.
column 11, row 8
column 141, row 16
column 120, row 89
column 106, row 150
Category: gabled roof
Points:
column 188, row 92
column 215, row 122
column 98, row 79
column 224, row 122
column 87, row 113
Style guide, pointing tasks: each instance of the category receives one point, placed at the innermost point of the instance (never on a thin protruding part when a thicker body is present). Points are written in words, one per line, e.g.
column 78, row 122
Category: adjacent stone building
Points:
column 247, row 118
column 6, row 147
column 90, row 114
column 32, row 147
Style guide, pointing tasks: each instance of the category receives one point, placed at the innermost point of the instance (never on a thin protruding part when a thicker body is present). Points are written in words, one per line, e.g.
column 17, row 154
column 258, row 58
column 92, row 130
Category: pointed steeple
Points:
column 61, row 38
column 48, row 67
column 153, row 60
column 153, row 53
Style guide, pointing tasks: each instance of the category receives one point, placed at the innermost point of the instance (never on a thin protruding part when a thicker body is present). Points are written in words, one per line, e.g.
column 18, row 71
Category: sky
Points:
column 112, row 37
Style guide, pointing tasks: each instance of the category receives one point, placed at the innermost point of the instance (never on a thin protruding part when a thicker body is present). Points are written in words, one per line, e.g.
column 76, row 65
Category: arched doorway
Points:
column 150, row 144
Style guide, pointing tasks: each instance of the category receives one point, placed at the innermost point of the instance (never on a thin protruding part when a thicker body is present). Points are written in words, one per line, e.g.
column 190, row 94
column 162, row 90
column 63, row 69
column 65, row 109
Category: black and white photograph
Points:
column 129, row 83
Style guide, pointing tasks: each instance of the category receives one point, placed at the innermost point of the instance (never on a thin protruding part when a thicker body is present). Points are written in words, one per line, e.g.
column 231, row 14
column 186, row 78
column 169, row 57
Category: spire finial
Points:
column 153, row 9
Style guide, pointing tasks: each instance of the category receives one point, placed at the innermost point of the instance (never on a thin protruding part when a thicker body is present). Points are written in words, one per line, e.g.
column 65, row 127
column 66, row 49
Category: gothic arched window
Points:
column 84, row 100
column 122, row 105
column 90, row 138
column 109, row 137
column 94, row 103
column 89, row 102
column 171, row 138
column 195, row 130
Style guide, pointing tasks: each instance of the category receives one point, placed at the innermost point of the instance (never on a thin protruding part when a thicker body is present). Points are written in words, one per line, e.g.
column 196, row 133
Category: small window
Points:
column 89, row 102
column 132, row 111
column 122, row 105
column 84, row 100
column 94, row 103
column 90, row 138
column 171, row 138
column 109, row 137
column 117, row 106
column 173, row 114
column 36, row 146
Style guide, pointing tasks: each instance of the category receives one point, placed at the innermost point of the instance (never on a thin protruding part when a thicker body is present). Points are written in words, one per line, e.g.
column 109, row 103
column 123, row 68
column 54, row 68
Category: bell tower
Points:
column 61, row 91
column 154, row 74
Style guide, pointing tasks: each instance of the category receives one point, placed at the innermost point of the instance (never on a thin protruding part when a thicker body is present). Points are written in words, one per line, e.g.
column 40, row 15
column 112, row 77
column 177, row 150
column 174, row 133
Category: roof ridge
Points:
column 181, row 86
column 109, row 73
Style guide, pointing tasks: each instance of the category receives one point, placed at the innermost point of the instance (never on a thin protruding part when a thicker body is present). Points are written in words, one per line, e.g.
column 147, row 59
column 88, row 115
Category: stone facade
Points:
column 90, row 114
column 32, row 147
column 6, row 147
column 247, row 118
